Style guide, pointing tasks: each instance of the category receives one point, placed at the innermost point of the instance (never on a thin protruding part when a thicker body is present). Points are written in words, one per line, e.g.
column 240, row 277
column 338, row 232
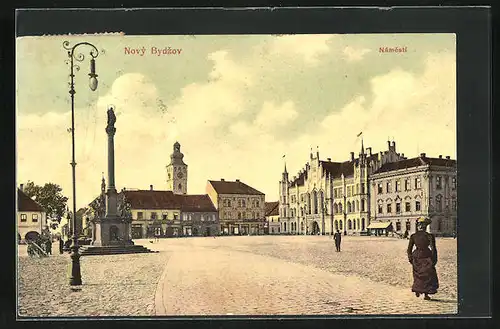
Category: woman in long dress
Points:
column 423, row 260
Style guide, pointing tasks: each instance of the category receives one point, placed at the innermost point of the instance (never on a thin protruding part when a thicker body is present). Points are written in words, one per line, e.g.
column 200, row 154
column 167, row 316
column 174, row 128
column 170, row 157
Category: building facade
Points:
column 31, row 217
column 273, row 218
column 405, row 190
column 177, row 172
column 241, row 208
column 326, row 196
column 165, row 214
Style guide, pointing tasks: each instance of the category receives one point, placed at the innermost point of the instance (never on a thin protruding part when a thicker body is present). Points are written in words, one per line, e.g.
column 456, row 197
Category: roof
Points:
column 336, row 169
column 301, row 179
column 147, row 199
column 25, row 203
column 271, row 208
column 196, row 203
column 237, row 187
column 379, row 225
column 415, row 162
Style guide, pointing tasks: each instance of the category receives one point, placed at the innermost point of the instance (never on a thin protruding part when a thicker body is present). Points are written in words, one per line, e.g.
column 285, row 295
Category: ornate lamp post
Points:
column 76, row 277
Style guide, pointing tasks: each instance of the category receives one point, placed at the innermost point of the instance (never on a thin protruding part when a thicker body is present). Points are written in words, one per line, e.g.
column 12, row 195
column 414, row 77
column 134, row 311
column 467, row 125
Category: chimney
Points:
column 440, row 156
column 150, row 187
column 237, row 180
column 222, row 180
column 394, row 146
column 369, row 150
column 329, row 159
column 352, row 156
column 422, row 155
column 21, row 187
column 448, row 157
column 389, row 145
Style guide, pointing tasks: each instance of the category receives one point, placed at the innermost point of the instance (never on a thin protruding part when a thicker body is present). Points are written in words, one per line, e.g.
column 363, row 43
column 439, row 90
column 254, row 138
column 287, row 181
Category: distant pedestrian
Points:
column 48, row 246
column 338, row 239
column 61, row 245
column 423, row 260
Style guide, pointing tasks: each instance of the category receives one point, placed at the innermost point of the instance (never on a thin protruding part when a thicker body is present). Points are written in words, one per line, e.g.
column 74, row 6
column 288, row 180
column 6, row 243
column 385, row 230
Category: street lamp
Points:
column 76, row 277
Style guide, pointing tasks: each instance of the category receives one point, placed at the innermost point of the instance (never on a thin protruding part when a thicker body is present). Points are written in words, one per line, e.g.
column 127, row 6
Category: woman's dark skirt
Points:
column 425, row 278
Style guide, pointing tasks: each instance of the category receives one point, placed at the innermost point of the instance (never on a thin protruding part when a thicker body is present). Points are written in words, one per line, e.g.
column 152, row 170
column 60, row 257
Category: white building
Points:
column 325, row 196
column 405, row 190
column 31, row 217
column 272, row 217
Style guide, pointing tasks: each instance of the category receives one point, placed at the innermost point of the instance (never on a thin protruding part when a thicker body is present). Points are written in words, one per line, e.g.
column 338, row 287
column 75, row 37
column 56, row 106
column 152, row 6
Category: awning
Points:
column 379, row 225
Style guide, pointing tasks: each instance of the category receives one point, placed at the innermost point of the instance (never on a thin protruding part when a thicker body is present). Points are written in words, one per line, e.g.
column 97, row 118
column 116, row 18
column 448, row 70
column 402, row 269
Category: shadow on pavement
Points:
column 450, row 301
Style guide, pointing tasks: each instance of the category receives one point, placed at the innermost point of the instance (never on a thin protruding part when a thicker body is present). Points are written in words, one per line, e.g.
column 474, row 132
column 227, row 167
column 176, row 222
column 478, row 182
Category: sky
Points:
column 236, row 103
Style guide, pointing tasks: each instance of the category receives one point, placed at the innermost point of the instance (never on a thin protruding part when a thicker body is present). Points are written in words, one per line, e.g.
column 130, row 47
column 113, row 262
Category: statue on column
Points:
column 111, row 118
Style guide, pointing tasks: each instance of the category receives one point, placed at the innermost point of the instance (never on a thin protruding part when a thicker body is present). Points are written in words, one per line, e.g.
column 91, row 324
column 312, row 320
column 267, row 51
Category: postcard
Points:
column 236, row 175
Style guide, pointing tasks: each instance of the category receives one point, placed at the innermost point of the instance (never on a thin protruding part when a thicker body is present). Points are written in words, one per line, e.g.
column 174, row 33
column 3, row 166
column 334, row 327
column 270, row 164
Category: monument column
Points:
column 111, row 194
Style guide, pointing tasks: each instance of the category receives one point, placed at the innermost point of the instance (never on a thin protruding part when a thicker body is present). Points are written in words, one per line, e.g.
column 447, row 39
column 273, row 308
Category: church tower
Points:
column 284, row 202
column 177, row 172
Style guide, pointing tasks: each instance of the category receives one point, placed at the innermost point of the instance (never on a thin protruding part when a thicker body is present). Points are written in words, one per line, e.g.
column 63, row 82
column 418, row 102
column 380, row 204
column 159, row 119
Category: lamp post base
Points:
column 75, row 278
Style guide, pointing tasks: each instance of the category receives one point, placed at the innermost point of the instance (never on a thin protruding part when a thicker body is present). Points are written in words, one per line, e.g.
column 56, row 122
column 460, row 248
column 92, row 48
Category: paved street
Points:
column 262, row 275
column 248, row 275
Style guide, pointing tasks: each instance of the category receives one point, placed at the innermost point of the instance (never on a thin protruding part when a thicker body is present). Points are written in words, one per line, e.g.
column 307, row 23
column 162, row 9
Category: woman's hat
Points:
column 424, row 220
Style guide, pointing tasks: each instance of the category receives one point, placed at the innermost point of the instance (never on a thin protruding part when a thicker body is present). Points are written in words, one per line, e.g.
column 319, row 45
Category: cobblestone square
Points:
column 244, row 275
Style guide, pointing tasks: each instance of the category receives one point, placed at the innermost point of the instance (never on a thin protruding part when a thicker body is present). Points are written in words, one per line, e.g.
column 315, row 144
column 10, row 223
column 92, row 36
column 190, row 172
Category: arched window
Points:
column 335, row 208
column 301, row 212
column 349, row 225
column 239, row 215
column 284, row 227
column 321, row 201
column 315, row 199
column 357, row 205
column 336, row 225
column 354, row 223
column 349, row 209
column 340, row 207
column 362, row 205
column 340, row 225
column 362, row 224
column 309, row 204
column 358, row 222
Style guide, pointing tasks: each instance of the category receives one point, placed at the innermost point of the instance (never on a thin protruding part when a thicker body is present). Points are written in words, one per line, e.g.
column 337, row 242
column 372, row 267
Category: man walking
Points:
column 338, row 238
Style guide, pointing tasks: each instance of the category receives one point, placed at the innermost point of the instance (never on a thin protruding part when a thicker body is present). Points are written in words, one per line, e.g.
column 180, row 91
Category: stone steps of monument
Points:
column 113, row 250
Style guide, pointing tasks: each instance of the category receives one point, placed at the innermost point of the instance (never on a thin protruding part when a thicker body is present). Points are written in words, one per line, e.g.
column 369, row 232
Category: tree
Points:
column 50, row 197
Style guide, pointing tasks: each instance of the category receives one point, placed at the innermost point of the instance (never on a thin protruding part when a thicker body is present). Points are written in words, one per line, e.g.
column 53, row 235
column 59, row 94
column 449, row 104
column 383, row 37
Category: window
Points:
column 354, row 224
column 165, row 216
column 398, row 186
column 239, row 202
column 439, row 225
column 23, row 217
column 176, row 216
column 417, row 205
column 454, row 183
column 348, row 191
column 454, row 205
column 349, row 209
column 258, row 203
column 407, row 206
column 398, row 207
column 229, row 203
column 349, row 225
column 398, row 226
column 380, row 209
column 439, row 182
column 388, row 187
column 418, row 183
column 140, row 215
column 153, row 215
column 335, row 193
column 357, row 188
column 243, row 203
column 239, row 215
column 379, row 188
column 362, row 188
column 362, row 205
column 407, row 185
column 34, row 218
column 340, row 207
column 180, row 186
column 389, row 208
column 408, row 225
column 439, row 204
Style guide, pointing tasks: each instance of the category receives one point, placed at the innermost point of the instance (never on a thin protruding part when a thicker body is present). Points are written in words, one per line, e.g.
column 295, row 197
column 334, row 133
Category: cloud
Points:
column 222, row 136
column 353, row 55
column 308, row 46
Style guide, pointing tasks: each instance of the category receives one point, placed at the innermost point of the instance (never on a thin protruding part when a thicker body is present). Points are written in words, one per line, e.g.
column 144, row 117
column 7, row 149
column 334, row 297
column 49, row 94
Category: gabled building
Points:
column 272, row 217
column 31, row 217
column 325, row 195
column 241, row 207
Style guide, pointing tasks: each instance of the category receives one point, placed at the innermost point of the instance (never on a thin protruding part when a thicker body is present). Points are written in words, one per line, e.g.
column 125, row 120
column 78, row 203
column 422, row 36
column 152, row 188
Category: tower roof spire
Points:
column 362, row 146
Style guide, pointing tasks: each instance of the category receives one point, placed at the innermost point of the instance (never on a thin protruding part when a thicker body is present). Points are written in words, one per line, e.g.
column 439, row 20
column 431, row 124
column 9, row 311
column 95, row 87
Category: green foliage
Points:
column 50, row 197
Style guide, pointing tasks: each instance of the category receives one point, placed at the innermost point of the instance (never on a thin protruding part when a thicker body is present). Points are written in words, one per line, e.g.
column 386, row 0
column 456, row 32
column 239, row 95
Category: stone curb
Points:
column 159, row 305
